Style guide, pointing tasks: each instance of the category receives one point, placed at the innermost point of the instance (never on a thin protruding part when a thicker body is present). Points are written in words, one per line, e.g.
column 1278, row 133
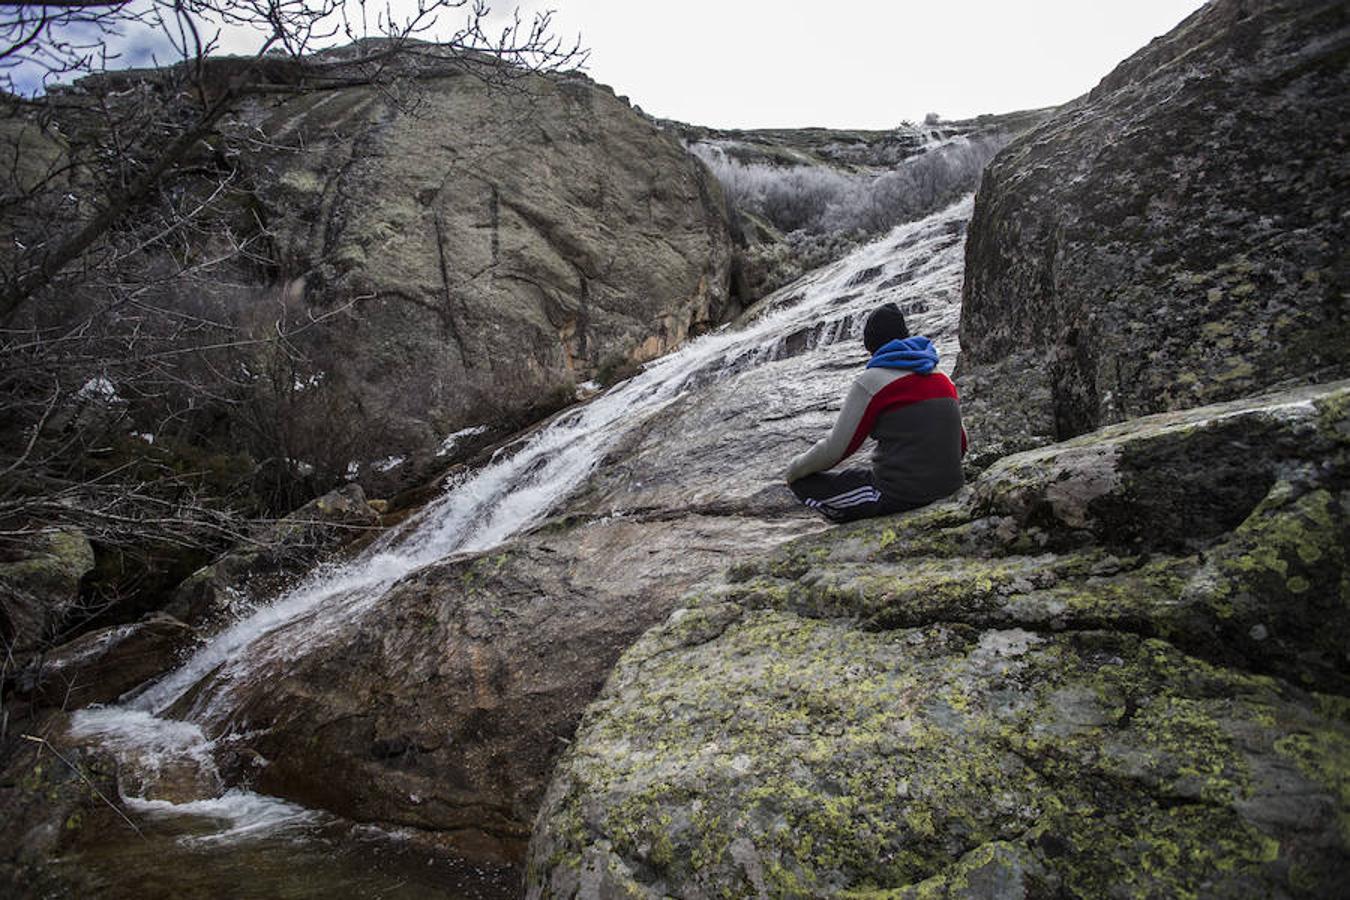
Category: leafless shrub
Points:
column 820, row 200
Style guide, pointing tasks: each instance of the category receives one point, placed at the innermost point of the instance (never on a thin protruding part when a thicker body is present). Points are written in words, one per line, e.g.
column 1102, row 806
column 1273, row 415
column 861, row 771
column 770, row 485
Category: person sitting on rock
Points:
column 914, row 414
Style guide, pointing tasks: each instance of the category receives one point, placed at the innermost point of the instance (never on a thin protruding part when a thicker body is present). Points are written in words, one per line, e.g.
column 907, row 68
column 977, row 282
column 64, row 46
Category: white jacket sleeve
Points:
column 830, row 450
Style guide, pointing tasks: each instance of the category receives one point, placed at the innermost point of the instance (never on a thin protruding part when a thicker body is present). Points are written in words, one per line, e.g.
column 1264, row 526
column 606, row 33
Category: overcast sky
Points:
column 839, row 63
column 856, row 63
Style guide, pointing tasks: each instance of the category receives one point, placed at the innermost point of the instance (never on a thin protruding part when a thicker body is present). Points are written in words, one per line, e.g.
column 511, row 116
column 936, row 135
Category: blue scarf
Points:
column 915, row 353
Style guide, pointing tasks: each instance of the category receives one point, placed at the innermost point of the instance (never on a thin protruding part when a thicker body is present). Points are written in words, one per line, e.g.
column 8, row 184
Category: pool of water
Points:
column 187, row 855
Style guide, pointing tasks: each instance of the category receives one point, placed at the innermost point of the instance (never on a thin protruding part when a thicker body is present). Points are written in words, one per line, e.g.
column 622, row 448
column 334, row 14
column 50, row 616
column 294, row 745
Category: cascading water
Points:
column 184, row 714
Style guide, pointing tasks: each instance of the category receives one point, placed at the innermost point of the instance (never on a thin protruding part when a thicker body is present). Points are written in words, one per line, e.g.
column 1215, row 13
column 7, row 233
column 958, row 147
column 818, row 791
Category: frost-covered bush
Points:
column 824, row 200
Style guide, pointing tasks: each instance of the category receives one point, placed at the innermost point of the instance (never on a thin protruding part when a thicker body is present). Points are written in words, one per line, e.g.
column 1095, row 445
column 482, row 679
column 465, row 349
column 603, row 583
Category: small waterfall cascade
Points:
column 177, row 720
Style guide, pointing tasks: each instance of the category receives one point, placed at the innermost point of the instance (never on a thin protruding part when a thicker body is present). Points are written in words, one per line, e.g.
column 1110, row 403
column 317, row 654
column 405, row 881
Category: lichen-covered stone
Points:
column 48, row 792
column 40, row 585
column 1172, row 238
column 1009, row 694
column 455, row 252
column 499, row 246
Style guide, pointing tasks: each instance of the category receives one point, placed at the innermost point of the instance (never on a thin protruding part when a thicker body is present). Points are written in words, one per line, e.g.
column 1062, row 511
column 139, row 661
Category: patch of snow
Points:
column 452, row 440
column 388, row 463
column 313, row 381
column 98, row 388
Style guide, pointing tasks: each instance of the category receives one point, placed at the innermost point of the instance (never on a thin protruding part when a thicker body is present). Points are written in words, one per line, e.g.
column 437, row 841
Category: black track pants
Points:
column 843, row 496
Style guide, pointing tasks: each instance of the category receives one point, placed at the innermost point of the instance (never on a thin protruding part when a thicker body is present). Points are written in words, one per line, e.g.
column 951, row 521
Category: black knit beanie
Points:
column 885, row 324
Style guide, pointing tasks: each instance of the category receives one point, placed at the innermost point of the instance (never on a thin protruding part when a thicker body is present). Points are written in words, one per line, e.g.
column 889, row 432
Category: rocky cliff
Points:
column 362, row 283
column 380, row 265
column 501, row 245
column 1170, row 239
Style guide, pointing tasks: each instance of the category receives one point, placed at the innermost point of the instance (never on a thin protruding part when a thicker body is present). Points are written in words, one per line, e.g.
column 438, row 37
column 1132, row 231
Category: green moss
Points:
column 1149, row 851
column 861, row 709
column 1334, row 416
column 998, row 867
column 1193, row 744
column 1324, row 756
column 57, row 561
column 1282, row 533
column 1333, row 707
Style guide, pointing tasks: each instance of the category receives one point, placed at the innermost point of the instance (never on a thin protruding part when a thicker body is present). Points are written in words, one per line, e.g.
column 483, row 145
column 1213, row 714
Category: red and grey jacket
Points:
column 916, row 420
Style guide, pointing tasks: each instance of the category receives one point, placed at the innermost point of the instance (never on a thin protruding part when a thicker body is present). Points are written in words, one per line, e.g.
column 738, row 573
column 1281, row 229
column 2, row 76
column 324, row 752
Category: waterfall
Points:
column 917, row 265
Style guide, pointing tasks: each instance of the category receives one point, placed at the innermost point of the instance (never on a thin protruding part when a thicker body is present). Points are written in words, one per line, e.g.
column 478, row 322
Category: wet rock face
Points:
column 446, row 710
column 500, row 246
column 1004, row 695
column 444, row 705
column 1171, row 239
column 100, row 666
column 272, row 557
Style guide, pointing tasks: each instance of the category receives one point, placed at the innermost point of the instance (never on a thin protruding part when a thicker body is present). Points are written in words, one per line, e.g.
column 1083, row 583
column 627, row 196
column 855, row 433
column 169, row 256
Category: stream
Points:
column 204, row 836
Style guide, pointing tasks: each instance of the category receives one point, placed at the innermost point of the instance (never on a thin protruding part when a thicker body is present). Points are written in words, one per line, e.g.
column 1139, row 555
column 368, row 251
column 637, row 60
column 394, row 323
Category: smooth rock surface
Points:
column 1008, row 694
column 1173, row 238
column 444, row 709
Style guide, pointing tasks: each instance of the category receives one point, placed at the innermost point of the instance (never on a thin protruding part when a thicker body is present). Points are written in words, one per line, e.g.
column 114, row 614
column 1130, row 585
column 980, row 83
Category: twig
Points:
column 85, row 778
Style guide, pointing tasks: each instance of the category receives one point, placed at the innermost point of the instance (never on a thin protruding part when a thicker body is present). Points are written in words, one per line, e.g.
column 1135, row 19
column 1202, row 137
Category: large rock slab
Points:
column 443, row 705
column 1064, row 682
column 445, row 708
column 389, row 266
column 1171, row 239
column 500, row 245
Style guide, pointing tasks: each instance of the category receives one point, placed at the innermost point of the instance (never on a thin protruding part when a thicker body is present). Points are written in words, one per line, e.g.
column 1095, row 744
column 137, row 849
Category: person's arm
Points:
column 842, row 440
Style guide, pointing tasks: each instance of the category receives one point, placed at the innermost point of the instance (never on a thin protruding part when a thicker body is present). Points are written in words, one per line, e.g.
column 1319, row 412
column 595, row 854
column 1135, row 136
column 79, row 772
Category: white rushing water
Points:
column 522, row 486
